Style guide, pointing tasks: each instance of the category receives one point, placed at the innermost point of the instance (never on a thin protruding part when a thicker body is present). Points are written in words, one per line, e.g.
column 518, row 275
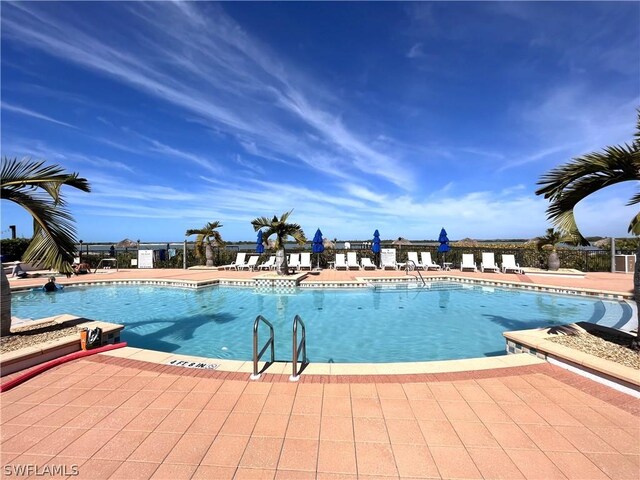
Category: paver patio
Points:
column 119, row 418
column 122, row 418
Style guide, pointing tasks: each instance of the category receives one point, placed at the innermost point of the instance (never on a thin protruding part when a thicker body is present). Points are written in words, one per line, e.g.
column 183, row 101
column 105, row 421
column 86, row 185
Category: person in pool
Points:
column 50, row 286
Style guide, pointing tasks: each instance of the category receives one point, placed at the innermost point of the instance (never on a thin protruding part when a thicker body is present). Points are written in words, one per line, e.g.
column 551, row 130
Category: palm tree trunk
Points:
column 636, row 296
column 281, row 262
column 5, row 307
column 208, row 253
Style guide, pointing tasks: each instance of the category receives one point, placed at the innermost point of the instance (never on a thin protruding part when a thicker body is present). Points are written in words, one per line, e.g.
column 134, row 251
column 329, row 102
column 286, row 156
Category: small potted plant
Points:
column 549, row 242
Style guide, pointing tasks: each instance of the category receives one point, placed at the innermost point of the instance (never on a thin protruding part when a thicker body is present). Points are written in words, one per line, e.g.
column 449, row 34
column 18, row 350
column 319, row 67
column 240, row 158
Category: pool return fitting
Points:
column 297, row 348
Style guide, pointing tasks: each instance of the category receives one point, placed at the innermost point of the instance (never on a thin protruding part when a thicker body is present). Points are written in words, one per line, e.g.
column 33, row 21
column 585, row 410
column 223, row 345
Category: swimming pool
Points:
column 447, row 321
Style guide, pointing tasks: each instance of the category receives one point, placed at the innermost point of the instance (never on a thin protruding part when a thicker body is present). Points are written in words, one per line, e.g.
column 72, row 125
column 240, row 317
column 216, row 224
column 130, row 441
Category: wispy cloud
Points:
column 31, row 113
column 36, row 149
column 415, row 51
column 233, row 81
column 250, row 166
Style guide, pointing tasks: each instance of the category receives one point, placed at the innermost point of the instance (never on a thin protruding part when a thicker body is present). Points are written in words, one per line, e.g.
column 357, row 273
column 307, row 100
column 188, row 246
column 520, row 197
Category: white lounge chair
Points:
column 352, row 261
column 270, row 264
column 341, row 263
column 367, row 264
column 413, row 257
column 489, row 262
column 251, row 264
column 388, row 264
column 427, row 262
column 294, row 261
column 509, row 264
column 305, row 261
column 468, row 263
column 238, row 262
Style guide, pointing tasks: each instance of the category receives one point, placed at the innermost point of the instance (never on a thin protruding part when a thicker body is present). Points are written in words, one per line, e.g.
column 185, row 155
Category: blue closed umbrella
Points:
column 259, row 243
column 444, row 241
column 375, row 245
column 318, row 245
column 444, row 244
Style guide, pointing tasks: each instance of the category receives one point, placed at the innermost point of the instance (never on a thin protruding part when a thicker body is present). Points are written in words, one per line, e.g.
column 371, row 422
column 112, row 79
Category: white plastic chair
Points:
column 389, row 264
column 305, row 261
column 239, row 261
column 489, row 262
column 270, row 264
column 294, row 261
column 341, row 263
column 468, row 263
column 250, row 265
column 427, row 262
column 352, row 261
column 509, row 264
column 413, row 257
column 367, row 264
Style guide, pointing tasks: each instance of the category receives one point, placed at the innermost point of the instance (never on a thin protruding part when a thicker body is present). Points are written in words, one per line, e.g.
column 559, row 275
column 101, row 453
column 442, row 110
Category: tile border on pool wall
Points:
column 360, row 282
column 507, row 284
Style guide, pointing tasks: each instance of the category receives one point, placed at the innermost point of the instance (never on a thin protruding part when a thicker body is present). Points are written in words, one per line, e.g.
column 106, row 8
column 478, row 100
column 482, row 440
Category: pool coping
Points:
column 311, row 369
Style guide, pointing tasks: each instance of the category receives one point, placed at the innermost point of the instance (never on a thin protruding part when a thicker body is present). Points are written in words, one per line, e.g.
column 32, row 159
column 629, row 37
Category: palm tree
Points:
column 205, row 239
column 36, row 187
column 282, row 231
column 565, row 186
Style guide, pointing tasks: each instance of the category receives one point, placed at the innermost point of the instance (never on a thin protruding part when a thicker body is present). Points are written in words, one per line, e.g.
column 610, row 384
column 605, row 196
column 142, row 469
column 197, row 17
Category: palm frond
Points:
column 261, row 222
column 53, row 241
column 614, row 165
column 29, row 174
column 635, row 199
column 567, row 185
column 25, row 183
column 634, row 226
column 285, row 216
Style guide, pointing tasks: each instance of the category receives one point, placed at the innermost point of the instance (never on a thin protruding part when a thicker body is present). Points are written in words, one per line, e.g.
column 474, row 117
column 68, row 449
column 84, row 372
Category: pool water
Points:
column 446, row 321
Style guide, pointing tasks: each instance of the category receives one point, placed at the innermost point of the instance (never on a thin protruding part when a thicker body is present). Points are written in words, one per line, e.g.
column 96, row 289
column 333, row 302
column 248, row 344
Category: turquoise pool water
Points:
column 447, row 321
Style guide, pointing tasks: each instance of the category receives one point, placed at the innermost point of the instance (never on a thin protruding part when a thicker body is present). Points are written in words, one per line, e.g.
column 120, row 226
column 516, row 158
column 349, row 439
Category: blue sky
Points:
column 402, row 117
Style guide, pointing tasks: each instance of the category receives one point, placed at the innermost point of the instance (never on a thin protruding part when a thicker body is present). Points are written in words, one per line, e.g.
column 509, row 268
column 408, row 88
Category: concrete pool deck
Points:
column 124, row 416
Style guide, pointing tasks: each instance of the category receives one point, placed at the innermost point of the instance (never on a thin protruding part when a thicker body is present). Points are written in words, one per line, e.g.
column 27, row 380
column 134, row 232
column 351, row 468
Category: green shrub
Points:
column 13, row 248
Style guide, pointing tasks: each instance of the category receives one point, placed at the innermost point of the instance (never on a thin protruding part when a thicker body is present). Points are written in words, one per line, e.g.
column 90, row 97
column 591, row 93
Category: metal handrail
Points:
column 415, row 267
column 297, row 347
column 257, row 356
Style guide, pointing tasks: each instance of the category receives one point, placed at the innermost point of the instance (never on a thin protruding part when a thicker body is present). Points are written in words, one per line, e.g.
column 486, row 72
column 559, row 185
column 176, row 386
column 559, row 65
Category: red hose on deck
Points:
column 55, row 362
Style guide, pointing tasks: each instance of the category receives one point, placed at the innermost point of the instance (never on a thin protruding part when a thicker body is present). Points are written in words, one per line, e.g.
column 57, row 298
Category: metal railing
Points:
column 297, row 347
column 415, row 267
column 258, row 355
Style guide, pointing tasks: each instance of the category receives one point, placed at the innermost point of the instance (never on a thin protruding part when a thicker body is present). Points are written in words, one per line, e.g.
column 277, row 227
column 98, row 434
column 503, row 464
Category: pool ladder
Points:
column 270, row 343
column 407, row 269
column 297, row 348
